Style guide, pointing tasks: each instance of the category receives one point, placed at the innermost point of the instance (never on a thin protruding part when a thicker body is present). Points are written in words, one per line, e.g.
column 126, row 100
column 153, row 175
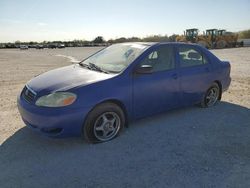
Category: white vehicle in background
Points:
column 60, row 46
column 24, row 47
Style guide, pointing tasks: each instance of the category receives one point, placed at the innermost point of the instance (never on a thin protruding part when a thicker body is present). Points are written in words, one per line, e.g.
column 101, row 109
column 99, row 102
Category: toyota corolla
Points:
column 99, row 96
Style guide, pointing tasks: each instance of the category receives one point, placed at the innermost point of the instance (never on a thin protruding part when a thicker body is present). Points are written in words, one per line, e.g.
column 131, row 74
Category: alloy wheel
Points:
column 107, row 126
column 212, row 96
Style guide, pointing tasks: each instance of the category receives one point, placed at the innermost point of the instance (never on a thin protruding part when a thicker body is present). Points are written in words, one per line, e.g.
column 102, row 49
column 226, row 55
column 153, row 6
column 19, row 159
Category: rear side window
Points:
column 191, row 57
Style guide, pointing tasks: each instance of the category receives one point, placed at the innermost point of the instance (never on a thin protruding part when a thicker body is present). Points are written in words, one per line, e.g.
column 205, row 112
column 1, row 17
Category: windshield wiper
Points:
column 93, row 66
column 84, row 64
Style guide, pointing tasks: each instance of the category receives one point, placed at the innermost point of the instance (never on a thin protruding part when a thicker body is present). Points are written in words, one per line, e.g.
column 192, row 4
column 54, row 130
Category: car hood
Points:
column 66, row 78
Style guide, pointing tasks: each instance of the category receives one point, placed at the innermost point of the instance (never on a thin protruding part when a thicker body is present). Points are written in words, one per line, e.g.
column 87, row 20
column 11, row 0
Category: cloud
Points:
column 41, row 24
column 11, row 21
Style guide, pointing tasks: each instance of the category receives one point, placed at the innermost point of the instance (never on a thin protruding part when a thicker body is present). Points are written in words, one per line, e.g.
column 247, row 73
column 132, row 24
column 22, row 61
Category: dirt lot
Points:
column 189, row 147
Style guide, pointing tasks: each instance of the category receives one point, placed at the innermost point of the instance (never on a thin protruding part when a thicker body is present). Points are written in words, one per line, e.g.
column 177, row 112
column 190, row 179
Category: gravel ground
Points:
column 190, row 147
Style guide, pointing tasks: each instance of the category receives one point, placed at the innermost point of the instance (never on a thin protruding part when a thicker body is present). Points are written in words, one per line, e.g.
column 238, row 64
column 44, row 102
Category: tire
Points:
column 103, row 123
column 211, row 97
column 221, row 44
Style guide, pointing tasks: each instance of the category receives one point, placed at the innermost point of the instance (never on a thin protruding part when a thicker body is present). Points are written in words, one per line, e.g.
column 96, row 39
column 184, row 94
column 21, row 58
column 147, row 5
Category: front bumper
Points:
column 53, row 122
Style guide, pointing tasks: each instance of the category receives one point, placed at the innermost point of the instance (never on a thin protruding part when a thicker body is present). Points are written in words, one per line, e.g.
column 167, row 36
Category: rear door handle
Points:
column 207, row 69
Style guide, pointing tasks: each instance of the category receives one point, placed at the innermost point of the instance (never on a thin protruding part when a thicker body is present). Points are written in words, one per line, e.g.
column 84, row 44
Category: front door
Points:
column 157, row 91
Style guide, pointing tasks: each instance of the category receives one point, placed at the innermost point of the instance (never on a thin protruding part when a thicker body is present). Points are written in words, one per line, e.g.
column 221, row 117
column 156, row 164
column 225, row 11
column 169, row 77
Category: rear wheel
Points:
column 103, row 123
column 212, row 96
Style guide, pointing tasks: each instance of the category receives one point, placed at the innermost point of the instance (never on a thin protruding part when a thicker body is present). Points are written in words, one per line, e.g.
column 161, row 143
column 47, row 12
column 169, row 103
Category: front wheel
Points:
column 103, row 123
column 211, row 97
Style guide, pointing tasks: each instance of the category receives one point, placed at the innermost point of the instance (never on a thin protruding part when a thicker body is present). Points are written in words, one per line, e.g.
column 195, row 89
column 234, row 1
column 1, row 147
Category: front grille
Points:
column 28, row 94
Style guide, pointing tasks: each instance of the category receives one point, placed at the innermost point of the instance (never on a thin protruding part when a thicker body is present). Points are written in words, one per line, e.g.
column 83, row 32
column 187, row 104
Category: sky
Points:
column 48, row 20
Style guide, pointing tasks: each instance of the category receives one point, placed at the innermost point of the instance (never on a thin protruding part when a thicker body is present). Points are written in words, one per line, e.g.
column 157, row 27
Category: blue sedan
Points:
column 99, row 96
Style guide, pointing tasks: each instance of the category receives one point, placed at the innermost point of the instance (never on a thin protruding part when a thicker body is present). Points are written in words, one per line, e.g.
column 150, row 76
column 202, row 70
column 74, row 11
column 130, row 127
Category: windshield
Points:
column 117, row 57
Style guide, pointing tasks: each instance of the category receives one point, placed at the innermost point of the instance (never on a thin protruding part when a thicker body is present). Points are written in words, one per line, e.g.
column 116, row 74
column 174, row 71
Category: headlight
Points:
column 57, row 99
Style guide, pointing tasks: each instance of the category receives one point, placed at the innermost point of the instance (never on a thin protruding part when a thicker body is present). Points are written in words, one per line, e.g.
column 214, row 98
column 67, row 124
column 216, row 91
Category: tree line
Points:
column 100, row 41
column 244, row 34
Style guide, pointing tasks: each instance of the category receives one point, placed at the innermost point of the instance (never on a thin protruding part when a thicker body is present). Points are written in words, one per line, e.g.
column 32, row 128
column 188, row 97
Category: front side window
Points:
column 117, row 57
column 161, row 59
column 191, row 57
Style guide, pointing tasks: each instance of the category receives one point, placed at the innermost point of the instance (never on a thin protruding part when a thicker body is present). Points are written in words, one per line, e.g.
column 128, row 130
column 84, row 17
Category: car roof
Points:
column 150, row 44
column 177, row 43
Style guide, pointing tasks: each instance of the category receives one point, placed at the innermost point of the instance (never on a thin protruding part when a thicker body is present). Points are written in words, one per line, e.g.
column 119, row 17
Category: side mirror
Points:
column 144, row 69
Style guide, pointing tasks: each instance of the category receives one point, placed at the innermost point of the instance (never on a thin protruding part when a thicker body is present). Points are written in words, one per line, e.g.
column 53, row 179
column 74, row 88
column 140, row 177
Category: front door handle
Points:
column 174, row 76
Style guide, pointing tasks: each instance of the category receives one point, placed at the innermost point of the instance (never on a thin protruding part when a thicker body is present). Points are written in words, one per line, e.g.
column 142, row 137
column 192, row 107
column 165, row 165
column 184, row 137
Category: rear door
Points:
column 195, row 76
column 159, row 90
